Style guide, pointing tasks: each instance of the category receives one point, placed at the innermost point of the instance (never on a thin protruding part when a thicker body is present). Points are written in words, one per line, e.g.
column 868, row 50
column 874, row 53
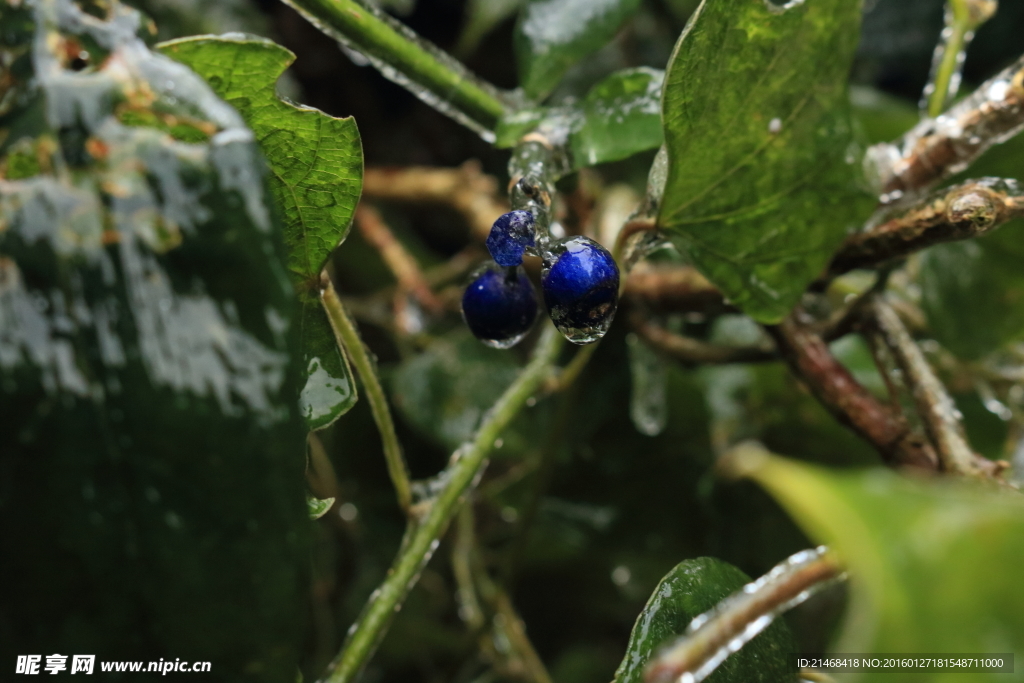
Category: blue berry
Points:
column 510, row 236
column 581, row 289
column 500, row 306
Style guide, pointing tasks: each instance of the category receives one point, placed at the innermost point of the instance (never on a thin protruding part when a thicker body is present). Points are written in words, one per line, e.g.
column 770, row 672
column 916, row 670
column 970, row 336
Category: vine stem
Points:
column 963, row 17
column 348, row 337
column 397, row 52
column 422, row 539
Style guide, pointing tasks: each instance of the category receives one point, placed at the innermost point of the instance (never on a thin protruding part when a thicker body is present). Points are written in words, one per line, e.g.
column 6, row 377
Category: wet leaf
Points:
column 618, row 118
column 318, row 507
column 552, row 35
column 316, row 162
column 928, row 559
column 690, row 589
column 762, row 179
column 148, row 364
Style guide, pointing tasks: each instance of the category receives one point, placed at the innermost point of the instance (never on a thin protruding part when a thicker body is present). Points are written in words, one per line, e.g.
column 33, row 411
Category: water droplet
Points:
column 648, row 406
column 348, row 512
column 775, row 126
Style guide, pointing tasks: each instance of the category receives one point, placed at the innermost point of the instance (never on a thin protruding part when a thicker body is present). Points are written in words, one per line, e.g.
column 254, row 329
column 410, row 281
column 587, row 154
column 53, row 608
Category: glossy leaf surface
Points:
column 928, row 559
column 619, row 117
column 316, row 163
column 147, row 363
column 690, row 589
column 762, row 179
column 552, row 35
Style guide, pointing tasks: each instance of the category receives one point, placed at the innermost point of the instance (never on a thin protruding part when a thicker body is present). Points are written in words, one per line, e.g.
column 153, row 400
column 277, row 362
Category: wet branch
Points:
column 971, row 209
column 696, row 351
column 727, row 627
column 939, row 147
column 934, row 405
column 834, row 386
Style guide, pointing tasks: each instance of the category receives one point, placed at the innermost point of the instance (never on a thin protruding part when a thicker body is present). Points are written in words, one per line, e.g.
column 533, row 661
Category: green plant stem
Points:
column 348, row 337
column 966, row 15
column 427, row 71
column 422, row 539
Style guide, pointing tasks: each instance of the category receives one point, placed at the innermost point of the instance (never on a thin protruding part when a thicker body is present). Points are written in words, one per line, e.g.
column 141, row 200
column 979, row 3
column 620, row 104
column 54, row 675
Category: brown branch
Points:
column 466, row 189
column 961, row 212
column 934, row 405
column 783, row 587
column 399, row 261
column 689, row 350
column 673, row 289
column 835, row 387
column 937, row 148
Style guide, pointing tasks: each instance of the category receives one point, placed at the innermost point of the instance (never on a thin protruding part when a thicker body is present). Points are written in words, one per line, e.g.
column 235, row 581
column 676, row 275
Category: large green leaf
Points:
column 690, row 589
column 316, row 162
column 151, row 495
column 763, row 176
column 619, row 117
column 552, row 35
column 932, row 562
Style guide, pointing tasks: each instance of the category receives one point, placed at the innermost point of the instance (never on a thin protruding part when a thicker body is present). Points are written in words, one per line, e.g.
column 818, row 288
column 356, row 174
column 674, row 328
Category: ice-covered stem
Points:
column 937, row 148
column 348, row 338
column 464, row 470
column 963, row 17
column 809, row 357
column 960, row 212
column 732, row 623
column 934, row 405
column 428, row 72
column 696, row 351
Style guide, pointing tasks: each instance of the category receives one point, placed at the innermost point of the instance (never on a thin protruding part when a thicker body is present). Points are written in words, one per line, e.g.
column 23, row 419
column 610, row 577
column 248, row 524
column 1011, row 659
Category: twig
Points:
column 714, row 635
column 968, row 210
column 348, row 337
column 695, row 351
column 934, row 405
column 963, row 17
column 937, row 148
column 466, row 189
column 835, row 387
column 399, row 261
column 673, row 288
column 466, row 466
column 400, row 55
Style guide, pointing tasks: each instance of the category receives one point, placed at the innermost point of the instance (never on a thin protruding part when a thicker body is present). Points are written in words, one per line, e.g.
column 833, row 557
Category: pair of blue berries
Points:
column 580, row 280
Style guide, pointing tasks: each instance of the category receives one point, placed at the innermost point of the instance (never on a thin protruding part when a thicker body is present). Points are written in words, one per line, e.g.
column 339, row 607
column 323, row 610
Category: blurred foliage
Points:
column 937, row 580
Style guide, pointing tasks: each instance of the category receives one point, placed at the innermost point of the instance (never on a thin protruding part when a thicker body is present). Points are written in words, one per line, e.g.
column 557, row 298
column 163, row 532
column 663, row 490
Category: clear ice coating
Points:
column 580, row 280
column 510, row 237
column 956, row 35
column 648, row 398
column 499, row 305
column 730, row 609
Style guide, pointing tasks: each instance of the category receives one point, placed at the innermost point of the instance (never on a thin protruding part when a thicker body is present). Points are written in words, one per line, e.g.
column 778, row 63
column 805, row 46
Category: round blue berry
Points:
column 500, row 306
column 510, row 236
column 581, row 289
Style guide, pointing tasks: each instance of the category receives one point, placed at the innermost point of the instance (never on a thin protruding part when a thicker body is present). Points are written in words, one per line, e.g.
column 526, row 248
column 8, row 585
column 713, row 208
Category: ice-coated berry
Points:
column 510, row 236
column 581, row 288
column 500, row 305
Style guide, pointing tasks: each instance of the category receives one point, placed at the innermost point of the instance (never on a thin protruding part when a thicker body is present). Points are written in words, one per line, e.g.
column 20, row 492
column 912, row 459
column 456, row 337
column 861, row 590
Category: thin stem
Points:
column 425, row 70
column 348, row 337
column 461, row 475
column 714, row 635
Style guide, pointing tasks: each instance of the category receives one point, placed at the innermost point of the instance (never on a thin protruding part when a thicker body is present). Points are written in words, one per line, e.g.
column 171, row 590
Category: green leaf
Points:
column 763, row 176
column 690, row 589
column 329, row 391
column 618, row 118
column 316, row 163
column 973, row 292
column 148, row 364
column 445, row 391
column 318, row 507
column 930, row 561
column 552, row 35
column 482, row 16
